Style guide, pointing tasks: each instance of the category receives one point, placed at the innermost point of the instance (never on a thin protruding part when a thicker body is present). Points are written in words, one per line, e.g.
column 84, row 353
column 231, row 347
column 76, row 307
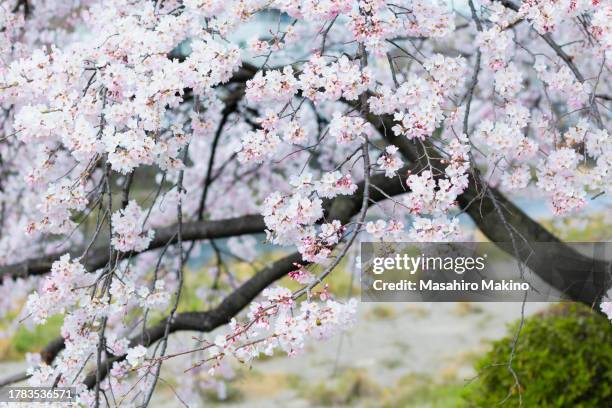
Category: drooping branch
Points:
column 342, row 208
column 581, row 278
column 208, row 320
column 203, row 321
column 584, row 279
column 568, row 60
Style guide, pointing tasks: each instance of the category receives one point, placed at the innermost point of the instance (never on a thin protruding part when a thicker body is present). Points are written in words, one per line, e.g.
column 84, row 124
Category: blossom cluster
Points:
column 60, row 200
column 274, row 85
column 556, row 176
column 548, row 15
column 278, row 322
column 291, row 219
column 288, row 216
column 417, row 104
column 346, row 129
column 371, row 25
column 436, row 194
column 128, row 229
column 60, row 290
column 383, row 230
column 437, row 229
column 260, row 144
column 389, row 162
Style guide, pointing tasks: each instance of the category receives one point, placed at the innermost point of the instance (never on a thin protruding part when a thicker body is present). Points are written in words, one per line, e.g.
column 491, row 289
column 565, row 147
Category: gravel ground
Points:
column 388, row 342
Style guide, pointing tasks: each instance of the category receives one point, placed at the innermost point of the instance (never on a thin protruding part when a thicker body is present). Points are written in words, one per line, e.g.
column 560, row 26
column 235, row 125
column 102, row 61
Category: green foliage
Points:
column 26, row 340
column 563, row 359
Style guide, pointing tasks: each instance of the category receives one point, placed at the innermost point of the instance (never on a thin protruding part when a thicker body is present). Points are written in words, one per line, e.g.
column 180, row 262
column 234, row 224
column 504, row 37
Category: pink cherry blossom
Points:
column 144, row 142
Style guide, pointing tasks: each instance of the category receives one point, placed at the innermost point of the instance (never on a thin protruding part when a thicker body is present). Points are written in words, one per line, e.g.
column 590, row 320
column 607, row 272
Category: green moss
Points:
column 563, row 359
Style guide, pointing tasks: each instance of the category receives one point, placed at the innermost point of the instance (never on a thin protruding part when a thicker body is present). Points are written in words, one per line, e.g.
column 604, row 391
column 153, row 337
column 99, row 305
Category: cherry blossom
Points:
column 59, row 290
column 381, row 229
column 346, row 129
column 136, row 356
column 606, row 308
column 275, row 85
column 518, row 178
column 333, row 184
column 389, row 162
column 128, row 229
column 142, row 142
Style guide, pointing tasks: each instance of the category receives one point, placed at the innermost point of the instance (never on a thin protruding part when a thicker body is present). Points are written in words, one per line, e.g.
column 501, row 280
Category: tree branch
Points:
column 569, row 61
column 585, row 279
column 342, row 208
column 192, row 231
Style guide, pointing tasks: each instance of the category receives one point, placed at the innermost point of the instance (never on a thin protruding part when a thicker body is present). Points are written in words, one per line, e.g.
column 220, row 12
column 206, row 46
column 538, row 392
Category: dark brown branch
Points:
column 26, row 7
column 201, row 230
column 188, row 321
column 474, row 80
column 230, row 107
column 209, row 320
column 584, row 279
column 192, row 231
column 342, row 208
column 569, row 61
